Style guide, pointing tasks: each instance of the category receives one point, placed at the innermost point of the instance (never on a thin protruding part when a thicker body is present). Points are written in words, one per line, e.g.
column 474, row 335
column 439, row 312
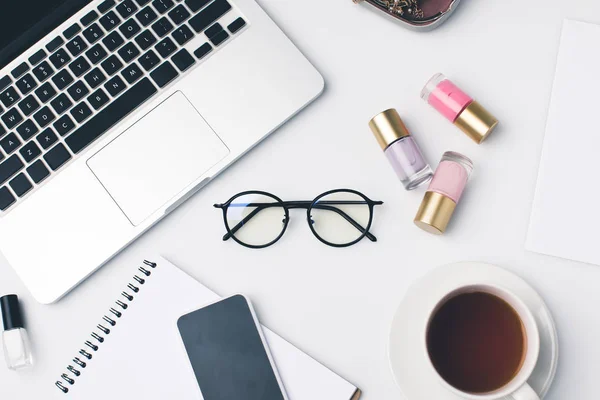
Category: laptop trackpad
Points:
column 157, row 157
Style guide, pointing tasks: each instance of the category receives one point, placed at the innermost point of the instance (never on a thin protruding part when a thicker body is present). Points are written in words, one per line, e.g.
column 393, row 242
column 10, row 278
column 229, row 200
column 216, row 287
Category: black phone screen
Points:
column 227, row 354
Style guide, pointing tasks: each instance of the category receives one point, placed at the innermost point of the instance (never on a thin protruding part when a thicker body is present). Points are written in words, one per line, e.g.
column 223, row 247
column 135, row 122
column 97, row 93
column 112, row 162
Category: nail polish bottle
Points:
column 17, row 350
column 444, row 193
column 400, row 149
column 459, row 108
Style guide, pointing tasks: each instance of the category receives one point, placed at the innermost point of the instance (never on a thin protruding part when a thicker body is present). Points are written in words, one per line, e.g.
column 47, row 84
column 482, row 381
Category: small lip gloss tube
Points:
column 459, row 108
column 401, row 149
column 444, row 192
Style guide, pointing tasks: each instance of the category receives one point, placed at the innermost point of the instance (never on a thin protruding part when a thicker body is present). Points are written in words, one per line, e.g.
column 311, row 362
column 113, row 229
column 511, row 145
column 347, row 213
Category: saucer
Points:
column 407, row 355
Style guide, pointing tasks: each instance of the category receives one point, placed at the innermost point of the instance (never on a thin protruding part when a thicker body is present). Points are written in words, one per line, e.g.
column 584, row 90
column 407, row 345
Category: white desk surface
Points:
column 337, row 305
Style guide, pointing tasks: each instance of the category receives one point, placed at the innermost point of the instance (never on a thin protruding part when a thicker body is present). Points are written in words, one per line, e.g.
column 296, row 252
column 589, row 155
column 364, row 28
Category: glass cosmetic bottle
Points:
column 459, row 108
column 400, row 149
column 17, row 350
column 444, row 193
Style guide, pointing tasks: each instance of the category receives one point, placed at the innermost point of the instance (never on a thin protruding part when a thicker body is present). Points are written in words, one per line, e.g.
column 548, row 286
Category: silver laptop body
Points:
column 109, row 179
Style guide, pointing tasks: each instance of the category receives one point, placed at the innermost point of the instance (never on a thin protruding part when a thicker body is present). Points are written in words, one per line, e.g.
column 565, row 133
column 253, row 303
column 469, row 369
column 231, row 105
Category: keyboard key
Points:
column 97, row 99
column 236, row 25
column 9, row 97
column 6, row 199
column 95, row 78
column 109, row 116
column 164, row 74
column 55, row 44
column 45, row 92
column 38, row 171
column 61, row 104
column 111, row 65
column 209, row 15
column 126, row 8
column 110, row 21
column 10, row 143
column 43, row 71
column 62, row 79
column 93, row 33
column 129, row 52
column 64, row 125
column 89, row 18
column 142, row 3
column 130, row 28
column 12, row 118
column 195, row 5
column 57, row 157
column 21, row 185
column 27, row 129
column 132, row 73
column 113, row 41
column 2, row 133
column 106, row 5
column 81, row 112
column 165, row 47
column 79, row 67
column 203, row 50
column 96, row 54
column 30, row 152
column 163, row 5
column 76, row 46
column 28, row 105
column 183, row 34
column 4, row 82
column 44, row 117
column 37, row 57
column 145, row 40
column 219, row 38
column 8, row 168
column 20, row 70
column 162, row 27
column 60, row 59
column 179, row 14
column 149, row 60
column 213, row 30
column 47, row 138
column 146, row 16
column 115, row 86
column 72, row 31
column 26, row 84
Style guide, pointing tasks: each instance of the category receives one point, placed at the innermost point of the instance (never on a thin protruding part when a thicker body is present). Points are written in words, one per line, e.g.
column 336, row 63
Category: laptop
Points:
column 113, row 113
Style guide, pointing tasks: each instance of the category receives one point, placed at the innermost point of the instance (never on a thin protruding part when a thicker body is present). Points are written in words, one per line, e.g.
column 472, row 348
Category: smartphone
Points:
column 228, row 352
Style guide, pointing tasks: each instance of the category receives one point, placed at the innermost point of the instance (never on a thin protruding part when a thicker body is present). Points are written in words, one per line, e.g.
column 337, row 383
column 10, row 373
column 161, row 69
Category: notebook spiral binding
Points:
column 104, row 328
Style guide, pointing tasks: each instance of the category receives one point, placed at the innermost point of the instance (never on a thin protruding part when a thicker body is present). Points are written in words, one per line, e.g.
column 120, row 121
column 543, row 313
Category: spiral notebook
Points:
column 135, row 351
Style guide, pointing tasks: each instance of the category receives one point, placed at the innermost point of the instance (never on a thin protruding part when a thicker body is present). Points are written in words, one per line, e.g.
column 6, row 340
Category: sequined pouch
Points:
column 416, row 14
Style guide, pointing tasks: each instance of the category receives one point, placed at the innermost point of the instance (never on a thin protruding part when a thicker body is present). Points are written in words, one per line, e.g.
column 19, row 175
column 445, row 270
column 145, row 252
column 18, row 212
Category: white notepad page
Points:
column 566, row 210
column 144, row 358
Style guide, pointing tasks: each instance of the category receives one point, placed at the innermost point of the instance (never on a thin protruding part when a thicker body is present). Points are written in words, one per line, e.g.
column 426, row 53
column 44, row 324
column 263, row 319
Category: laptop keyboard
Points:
column 83, row 82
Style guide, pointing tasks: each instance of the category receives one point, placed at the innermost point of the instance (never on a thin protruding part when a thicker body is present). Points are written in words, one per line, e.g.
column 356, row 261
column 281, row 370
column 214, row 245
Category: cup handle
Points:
column 525, row 392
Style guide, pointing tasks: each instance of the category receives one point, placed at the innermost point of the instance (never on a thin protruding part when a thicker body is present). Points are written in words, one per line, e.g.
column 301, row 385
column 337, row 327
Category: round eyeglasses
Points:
column 338, row 218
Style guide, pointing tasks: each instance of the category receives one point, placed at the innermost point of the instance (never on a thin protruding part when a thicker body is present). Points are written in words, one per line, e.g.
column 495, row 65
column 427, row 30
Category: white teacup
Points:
column 517, row 388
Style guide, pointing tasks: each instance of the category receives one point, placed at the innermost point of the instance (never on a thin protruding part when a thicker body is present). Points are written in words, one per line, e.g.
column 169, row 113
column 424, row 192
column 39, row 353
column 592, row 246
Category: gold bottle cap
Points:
column 388, row 127
column 435, row 213
column 476, row 122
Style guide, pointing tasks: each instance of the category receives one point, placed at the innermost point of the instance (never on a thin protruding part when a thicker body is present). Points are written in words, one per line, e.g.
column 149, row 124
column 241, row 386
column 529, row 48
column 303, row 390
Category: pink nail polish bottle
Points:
column 459, row 108
column 444, row 192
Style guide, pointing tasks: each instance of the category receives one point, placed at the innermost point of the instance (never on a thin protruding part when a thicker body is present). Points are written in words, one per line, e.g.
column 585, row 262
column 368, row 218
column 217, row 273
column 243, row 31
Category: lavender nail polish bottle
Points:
column 400, row 149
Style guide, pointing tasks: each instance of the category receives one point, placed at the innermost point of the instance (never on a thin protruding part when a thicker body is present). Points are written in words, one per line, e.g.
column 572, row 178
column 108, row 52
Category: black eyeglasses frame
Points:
column 308, row 205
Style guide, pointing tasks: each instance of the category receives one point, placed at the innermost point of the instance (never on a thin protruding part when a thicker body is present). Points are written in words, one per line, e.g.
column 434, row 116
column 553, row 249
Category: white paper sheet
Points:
column 566, row 210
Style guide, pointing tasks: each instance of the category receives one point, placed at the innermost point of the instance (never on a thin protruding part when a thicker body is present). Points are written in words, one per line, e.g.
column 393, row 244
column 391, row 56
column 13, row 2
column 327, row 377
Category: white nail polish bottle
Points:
column 15, row 341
